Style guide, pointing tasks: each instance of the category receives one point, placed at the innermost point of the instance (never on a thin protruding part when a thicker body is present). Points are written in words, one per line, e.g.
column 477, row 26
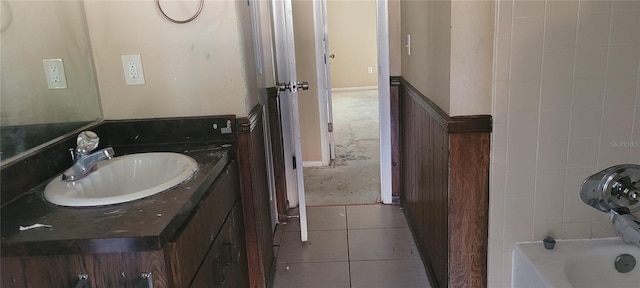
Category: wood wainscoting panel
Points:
column 436, row 214
column 424, row 180
column 254, row 192
column 444, row 187
column 469, row 213
column 396, row 161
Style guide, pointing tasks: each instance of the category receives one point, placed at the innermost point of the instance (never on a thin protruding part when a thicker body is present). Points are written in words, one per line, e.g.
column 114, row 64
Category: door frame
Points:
column 384, row 103
column 323, row 78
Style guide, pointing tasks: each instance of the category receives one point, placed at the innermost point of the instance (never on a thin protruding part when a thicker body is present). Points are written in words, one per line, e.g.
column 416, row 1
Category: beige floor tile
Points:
column 321, row 218
column 323, row 246
column 375, row 216
column 388, row 274
column 380, row 244
column 312, row 275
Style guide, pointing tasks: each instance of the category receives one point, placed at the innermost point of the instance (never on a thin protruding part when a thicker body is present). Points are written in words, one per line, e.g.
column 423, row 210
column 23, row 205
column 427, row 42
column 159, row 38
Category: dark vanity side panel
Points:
column 104, row 270
column 255, row 197
column 185, row 252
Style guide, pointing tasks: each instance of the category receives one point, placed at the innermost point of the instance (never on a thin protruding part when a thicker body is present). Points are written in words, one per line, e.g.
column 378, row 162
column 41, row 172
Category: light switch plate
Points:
column 54, row 71
column 132, row 66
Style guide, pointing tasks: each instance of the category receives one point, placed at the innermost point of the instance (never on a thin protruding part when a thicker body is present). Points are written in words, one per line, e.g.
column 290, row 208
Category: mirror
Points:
column 31, row 113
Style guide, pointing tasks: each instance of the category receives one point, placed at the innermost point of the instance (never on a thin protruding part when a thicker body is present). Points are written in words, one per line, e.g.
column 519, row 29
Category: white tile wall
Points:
column 566, row 105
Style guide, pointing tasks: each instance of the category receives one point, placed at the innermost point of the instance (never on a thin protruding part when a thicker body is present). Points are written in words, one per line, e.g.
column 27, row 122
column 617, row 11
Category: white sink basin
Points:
column 123, row 179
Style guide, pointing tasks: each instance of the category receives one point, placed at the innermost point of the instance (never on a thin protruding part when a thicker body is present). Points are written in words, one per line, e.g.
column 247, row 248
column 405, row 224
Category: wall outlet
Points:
column 132, row 66
column 54, row 71
column 370, row 70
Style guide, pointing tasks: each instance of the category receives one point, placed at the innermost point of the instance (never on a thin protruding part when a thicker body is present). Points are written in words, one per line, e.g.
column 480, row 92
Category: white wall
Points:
column 395, row 38
column 566, row 105
column 451, row 53
column 206, row 67
column 428, row 66
column 472, row 28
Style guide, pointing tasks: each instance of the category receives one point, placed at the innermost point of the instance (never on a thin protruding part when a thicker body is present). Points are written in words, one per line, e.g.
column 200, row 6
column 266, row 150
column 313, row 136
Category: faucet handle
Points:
column 87, row 141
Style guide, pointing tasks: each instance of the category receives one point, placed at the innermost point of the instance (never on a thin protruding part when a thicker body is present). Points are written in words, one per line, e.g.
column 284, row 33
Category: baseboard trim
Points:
column 354, row 88
column 312, row 164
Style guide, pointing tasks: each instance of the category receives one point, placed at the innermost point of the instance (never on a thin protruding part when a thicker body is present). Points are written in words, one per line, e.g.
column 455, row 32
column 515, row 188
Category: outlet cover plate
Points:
column 132, row 67
column 54, row 73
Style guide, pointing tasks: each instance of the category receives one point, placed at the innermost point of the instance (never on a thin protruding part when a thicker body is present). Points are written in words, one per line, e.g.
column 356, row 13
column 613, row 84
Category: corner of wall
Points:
column 472, row 32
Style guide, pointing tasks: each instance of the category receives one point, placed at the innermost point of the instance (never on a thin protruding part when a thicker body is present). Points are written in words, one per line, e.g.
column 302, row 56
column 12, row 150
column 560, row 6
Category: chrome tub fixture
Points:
column 616, row 191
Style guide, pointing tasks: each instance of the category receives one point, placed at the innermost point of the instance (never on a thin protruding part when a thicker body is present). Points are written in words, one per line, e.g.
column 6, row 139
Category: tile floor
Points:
column 349, row 246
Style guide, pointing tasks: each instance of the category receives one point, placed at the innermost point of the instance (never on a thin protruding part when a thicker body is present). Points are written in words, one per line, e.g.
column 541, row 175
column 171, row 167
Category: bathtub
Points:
column 573, row 263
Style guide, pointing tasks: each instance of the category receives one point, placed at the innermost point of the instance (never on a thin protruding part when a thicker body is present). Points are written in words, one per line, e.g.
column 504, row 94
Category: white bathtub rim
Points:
column 549, row 271
column 567, row 240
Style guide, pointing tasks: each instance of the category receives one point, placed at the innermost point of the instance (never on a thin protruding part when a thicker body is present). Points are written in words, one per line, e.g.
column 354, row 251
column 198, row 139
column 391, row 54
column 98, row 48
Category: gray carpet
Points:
column 355, row 177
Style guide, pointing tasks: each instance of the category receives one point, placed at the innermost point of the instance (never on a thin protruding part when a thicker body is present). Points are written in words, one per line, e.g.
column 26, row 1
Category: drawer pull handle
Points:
column 145, row 281
column 228, row 253
column 219, row 271
column 83, row 281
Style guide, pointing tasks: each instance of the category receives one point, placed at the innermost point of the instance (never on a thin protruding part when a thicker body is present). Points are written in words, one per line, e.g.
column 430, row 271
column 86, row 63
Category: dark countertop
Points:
column 141, row 225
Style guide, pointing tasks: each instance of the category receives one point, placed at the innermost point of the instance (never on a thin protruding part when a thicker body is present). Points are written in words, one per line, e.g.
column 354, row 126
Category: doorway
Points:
column 310, row 104
column 353, row 175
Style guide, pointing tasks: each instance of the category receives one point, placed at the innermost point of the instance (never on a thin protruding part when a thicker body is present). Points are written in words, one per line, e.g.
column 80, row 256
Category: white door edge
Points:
column 279, row 37
column 323, row 82
column 295, row 120
column 384, row 102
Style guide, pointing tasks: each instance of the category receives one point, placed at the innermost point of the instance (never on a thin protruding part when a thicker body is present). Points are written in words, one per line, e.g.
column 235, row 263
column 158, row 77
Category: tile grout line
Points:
column 346, row 226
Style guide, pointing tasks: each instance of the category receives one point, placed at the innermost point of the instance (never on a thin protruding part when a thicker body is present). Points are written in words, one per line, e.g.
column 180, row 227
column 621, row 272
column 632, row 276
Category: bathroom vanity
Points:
column 192, row 235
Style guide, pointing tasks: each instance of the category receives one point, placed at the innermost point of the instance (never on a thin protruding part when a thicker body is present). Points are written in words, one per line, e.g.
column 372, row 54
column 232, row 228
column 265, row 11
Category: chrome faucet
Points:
column 616, row 191
column 85, row 163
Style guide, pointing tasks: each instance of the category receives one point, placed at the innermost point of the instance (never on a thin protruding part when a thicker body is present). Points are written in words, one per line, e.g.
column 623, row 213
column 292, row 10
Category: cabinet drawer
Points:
column 185, row 253
column 226, row 262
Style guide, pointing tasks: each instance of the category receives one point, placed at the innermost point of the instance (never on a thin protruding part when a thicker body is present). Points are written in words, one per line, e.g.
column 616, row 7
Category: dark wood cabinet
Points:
column 208, row 251
column 226, row 263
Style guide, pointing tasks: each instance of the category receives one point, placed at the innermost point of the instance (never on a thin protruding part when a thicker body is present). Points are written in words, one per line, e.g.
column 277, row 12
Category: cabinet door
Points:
column 120, row 270
column 237, row 273
column 212, row 271
column 226, row 263
column 185, row 253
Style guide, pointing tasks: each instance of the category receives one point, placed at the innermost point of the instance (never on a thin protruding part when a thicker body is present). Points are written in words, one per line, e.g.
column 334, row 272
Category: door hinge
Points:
column 295, row 163
column 330, row 126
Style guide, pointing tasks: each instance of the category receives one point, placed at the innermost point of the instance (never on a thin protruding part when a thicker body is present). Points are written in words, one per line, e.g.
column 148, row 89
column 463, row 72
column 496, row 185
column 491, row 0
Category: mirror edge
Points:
column 34, row 150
